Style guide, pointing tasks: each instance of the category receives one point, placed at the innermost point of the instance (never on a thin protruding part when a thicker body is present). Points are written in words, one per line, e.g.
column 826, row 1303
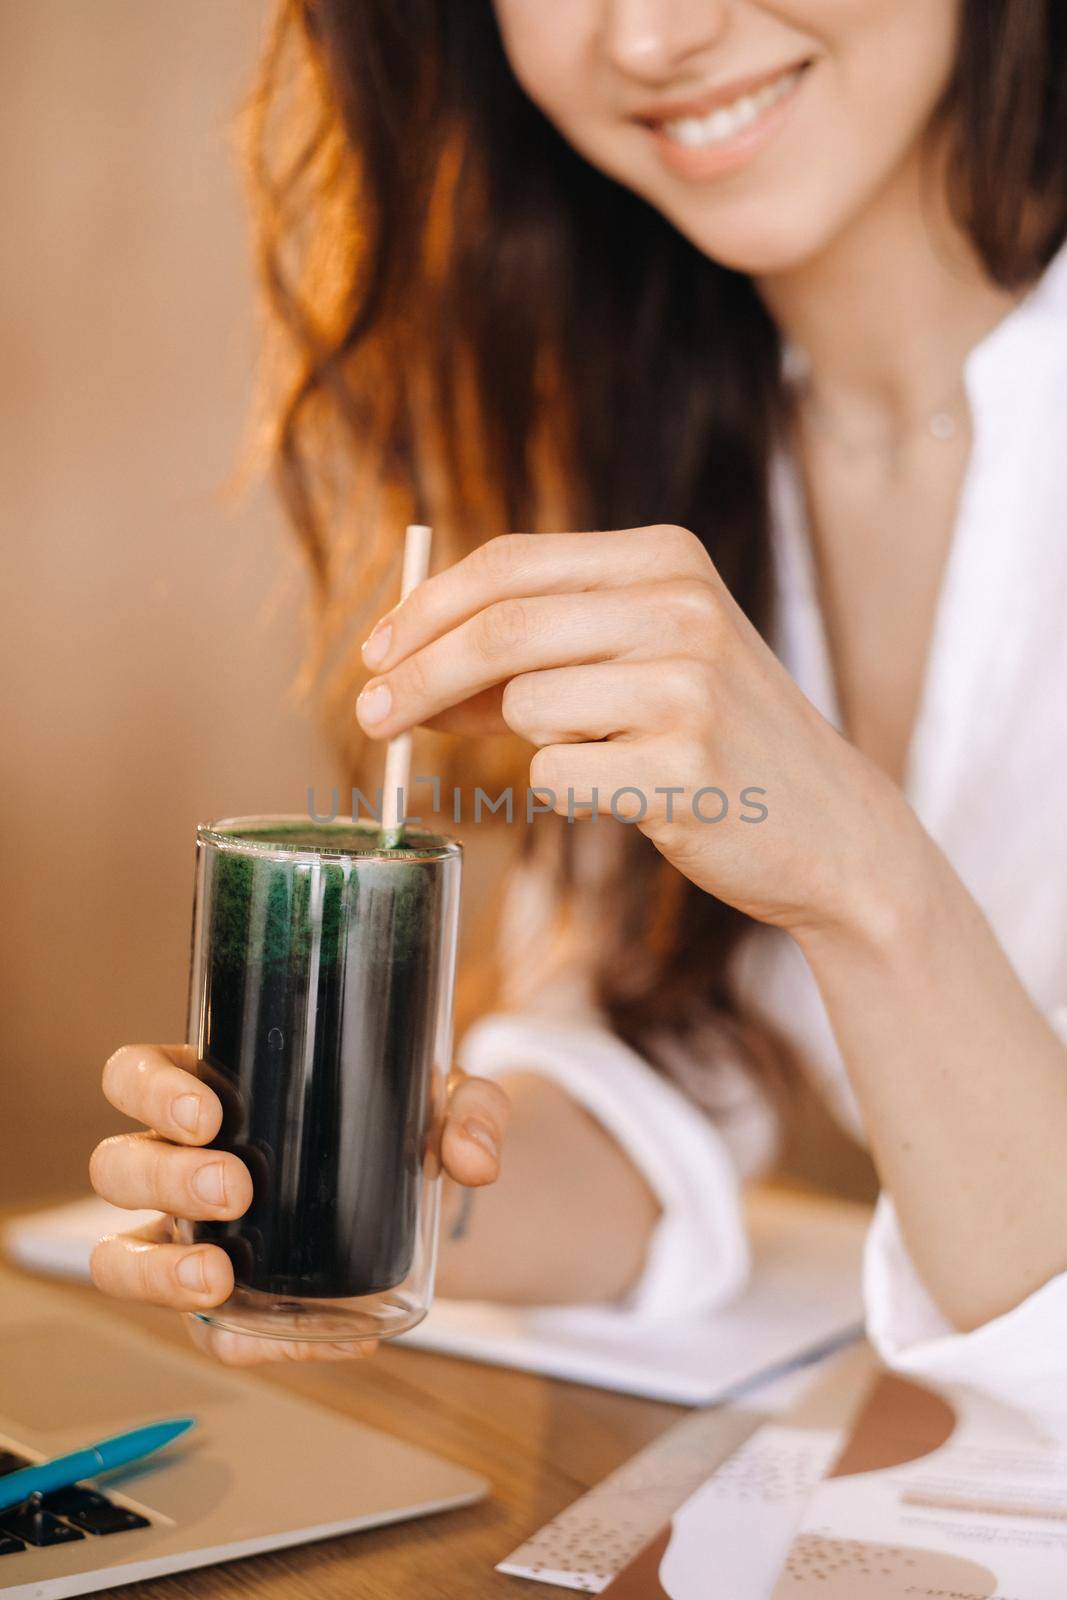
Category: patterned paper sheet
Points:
column 587, row 1544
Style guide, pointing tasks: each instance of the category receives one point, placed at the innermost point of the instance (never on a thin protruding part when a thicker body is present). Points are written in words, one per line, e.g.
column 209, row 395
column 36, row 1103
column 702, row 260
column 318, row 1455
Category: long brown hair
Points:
column 482, row 331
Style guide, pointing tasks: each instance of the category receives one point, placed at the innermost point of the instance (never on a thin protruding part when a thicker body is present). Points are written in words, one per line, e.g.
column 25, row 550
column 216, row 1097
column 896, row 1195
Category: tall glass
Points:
column 320, row 1008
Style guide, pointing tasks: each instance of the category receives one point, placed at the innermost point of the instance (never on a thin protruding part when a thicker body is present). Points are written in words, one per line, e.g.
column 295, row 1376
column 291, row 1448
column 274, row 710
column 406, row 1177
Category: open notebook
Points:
column 803, row 1298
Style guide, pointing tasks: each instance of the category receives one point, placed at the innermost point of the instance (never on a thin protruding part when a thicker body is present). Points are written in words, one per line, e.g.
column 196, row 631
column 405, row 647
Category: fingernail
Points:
column 373, row 704
column 482, row 1134
column 376, row 647
column 186, row 1111
column 190, row 1272
column 209, row 1184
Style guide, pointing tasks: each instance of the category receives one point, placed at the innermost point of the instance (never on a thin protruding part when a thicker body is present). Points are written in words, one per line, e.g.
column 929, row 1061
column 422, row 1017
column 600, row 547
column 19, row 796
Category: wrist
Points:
column 888, row 890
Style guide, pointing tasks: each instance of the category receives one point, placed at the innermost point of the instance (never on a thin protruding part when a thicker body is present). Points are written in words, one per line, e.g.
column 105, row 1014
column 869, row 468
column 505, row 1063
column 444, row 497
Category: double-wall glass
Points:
column 320, row 1009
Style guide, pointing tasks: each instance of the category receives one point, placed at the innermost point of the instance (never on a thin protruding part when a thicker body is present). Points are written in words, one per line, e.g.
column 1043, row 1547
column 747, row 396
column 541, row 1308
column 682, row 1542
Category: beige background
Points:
column 144, row 673
column 149, row 632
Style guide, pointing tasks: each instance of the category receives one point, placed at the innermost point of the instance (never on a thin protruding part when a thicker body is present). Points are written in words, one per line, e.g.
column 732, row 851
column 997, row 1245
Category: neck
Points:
column 887, row 313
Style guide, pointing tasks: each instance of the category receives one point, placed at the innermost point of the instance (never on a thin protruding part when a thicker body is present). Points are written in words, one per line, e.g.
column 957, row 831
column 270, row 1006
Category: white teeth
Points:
column 698, row 133
column 689, row 131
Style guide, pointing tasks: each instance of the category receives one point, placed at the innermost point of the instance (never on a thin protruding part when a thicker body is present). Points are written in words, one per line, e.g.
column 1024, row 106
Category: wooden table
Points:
column 541, row 1444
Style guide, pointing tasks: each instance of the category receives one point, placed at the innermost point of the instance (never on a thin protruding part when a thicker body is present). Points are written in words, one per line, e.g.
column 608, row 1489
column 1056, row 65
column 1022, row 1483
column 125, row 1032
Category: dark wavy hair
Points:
column 482, row 331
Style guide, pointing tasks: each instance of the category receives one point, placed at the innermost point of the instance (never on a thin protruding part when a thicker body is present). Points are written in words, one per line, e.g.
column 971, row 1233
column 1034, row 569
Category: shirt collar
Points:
column 1006, row 363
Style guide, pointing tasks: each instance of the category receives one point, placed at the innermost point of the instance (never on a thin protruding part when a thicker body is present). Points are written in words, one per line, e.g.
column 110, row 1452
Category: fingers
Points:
column 650, row 782
column 139, row 1171
column 575, row 705
column 156, row 1085
column 196, row 1278
column 183, row 1277
column 475, row 1124
column 243, row 1350
column 507, row 638
column 517, row 566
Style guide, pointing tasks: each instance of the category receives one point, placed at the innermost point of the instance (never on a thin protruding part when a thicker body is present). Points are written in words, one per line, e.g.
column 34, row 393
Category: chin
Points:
column 761, row 240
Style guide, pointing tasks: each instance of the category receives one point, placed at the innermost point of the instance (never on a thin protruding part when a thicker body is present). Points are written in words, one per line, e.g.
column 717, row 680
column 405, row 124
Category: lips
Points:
column 724, row 128
column 698, row 133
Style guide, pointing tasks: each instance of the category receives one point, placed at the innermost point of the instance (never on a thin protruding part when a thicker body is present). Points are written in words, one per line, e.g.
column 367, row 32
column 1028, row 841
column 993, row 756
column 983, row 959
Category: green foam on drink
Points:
column 273, row 907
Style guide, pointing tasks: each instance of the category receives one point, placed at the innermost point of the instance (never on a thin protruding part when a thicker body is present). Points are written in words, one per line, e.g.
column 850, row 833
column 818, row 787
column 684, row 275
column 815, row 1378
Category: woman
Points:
column 773, row 289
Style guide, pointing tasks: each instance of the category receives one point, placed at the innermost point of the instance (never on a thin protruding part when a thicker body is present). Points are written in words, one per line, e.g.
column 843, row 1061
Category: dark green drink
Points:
column 321, row 1011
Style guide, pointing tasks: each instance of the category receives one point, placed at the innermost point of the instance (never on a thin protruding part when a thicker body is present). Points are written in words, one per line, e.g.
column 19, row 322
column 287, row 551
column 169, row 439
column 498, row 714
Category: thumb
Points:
column 476, row 1120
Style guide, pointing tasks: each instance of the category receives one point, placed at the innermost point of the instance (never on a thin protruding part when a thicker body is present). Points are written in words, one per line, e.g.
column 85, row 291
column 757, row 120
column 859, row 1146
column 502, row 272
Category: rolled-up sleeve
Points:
column 1019, row 1357
column 698, row 1257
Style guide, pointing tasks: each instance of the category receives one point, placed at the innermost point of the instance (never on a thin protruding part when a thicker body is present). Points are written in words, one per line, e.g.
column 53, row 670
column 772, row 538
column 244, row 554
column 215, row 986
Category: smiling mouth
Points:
column 727, row 120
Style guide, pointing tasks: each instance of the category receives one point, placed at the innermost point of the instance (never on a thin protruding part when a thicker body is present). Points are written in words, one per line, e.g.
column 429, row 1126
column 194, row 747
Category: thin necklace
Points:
column 943, row 423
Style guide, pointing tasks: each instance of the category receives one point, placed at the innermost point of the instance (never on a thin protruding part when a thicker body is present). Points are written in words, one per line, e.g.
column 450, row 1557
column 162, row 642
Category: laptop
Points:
column 262, row 1469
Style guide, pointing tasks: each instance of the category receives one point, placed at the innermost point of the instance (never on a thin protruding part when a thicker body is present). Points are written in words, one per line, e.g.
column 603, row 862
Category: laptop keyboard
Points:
column 61, row 1517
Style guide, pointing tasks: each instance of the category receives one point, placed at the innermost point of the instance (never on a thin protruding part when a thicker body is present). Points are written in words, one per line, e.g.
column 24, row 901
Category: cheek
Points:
column 549, row 46
column 885, row 65
column 842, row 27
column 886, row 80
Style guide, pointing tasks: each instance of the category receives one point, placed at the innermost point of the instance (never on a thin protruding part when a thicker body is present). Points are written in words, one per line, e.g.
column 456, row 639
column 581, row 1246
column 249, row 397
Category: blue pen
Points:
column 61, row 1472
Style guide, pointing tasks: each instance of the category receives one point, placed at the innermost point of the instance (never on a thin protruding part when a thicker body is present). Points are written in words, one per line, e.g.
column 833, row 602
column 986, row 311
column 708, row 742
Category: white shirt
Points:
column 987, row 776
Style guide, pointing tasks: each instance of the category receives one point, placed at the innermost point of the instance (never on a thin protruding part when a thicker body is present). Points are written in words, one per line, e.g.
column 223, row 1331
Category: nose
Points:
column 651, row 39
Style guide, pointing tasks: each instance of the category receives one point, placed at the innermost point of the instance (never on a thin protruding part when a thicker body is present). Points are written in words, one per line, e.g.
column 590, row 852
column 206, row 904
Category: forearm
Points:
column 568, row 1220
column 962, row 1083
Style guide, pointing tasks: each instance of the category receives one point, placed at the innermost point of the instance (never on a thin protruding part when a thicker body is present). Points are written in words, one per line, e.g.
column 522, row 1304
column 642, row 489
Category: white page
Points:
column 804, row 1295
column 939, row 1492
